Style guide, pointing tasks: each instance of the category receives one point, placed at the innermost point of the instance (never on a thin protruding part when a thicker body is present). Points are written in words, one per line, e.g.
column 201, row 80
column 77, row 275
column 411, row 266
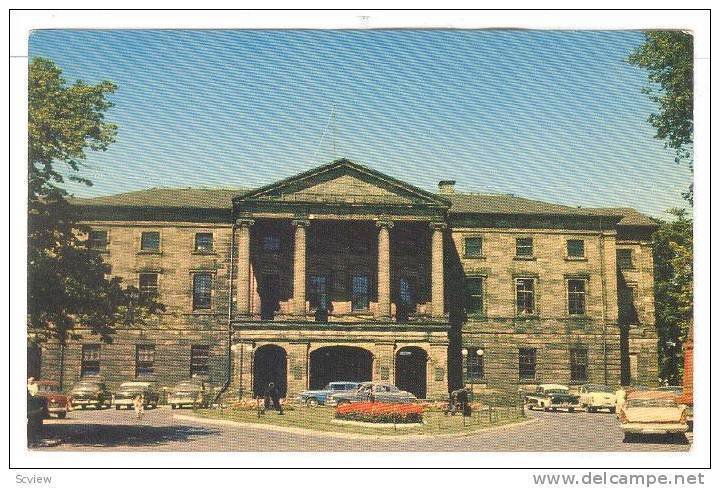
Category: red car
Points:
column 57, row 401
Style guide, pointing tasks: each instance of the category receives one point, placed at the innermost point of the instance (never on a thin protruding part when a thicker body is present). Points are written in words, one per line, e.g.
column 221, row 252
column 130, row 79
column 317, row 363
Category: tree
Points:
column 67, row 282
column 668, row 57
column 673, row 262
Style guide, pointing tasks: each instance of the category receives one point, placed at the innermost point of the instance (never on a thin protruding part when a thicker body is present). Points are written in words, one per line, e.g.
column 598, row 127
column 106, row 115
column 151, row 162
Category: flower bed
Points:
column 380, row 413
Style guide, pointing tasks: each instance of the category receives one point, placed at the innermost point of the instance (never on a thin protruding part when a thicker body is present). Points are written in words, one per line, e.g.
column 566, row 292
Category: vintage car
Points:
column 552, row 397
column 652, row 412
column 193, row 393
column 597, row 397
column 128, row 391
column 313, row 398
column 57, row 401
column 622, row 393
column 90, row 391
column 370, row 391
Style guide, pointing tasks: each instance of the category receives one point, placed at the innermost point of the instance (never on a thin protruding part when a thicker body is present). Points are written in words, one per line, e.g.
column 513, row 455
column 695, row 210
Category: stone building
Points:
column 345, row 273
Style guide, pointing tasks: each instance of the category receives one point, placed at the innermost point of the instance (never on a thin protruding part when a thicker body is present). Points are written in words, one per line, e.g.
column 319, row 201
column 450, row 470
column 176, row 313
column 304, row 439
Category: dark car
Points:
column 194, row 393
column 552, row 397
column 313, row 398
column 90, row 391
column 57, row 401
column 128, row 391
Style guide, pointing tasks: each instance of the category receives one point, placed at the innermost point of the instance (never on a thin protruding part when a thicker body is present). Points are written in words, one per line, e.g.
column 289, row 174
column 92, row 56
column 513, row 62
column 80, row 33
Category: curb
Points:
column 340, row 435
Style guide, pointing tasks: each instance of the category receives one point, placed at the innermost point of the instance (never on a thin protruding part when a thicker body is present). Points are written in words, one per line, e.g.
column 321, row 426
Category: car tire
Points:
column 591, row 409
column 312, row 402
column 117, row 407
column 172, row 406
column 571, row 409
column 612, row 409
column 61, row 415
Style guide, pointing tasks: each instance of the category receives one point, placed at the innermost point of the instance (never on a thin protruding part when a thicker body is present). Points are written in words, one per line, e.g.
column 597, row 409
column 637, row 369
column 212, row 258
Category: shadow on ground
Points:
column 109, row 436
column 679, row 439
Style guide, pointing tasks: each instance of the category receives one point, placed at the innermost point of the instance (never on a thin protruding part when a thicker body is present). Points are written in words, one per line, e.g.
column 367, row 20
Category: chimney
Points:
column 446, row 187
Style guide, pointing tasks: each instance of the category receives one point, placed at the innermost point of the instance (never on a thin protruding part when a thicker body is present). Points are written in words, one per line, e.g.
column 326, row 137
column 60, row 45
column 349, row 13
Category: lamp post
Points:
column 479, row 351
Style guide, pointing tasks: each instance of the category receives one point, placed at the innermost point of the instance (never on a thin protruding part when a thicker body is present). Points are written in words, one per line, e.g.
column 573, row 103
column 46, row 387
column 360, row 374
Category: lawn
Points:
column 320, row 419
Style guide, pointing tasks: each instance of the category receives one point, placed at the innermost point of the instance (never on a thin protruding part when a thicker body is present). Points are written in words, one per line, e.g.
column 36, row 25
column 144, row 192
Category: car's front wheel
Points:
column 61, row 415
column 312, row 402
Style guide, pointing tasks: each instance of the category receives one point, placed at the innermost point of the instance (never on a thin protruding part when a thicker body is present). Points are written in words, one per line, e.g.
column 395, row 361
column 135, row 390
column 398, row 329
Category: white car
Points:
column 652, row 412
column 597, row 397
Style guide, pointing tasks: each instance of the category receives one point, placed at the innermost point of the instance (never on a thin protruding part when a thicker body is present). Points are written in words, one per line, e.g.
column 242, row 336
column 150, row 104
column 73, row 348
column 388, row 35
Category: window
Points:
column 475, row 365
column 271, row 243
column 524, row 246
column 576, row 296
column 578, row 364
column 317, row 293
column 203, row 242
column 576, row 248
column 474, row 294
column 148, row 285
column 98, row 240
column 202, row 291
column 150, row 241
column 360, row 298
column 527, row 363
column 144, row 359
column 199, row 356
column 405, row 293
column 90, row 360
column 473, row 247
column 525, row 295
column 624, row 258
column 626, row 305
column 358, row 244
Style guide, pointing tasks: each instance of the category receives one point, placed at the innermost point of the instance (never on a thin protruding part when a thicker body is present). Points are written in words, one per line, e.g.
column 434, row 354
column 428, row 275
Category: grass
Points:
column 320, row 419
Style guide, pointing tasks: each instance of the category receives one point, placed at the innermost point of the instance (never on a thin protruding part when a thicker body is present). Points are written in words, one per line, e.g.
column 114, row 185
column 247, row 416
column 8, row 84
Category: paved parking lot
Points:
column 159, row 430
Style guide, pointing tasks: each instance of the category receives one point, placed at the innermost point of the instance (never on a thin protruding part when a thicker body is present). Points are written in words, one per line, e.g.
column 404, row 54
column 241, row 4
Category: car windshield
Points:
column 651, row 403
column 555, row 390
column 599, row 389
column 49, row 388
column 133, row 386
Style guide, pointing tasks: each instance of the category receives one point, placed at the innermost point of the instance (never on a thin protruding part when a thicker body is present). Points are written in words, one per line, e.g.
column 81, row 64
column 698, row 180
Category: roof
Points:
column 495, row 203
column 205, row 198
column 462, row 203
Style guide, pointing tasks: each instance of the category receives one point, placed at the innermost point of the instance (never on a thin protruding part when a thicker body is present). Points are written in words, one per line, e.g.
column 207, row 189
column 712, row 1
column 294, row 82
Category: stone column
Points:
column 437, row 270
column 243, row 265
column 299, row 267
column 383, row 276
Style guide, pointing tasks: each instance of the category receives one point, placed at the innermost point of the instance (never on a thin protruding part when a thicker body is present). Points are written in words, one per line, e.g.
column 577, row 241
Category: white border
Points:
column 22, row 22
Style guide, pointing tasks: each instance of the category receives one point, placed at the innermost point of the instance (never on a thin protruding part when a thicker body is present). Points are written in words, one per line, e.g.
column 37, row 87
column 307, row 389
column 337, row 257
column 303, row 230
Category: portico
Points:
column 340, row 272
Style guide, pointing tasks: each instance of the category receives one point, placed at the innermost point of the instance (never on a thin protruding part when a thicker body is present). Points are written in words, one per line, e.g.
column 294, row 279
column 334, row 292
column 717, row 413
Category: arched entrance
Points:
column 339, row 363
column 411, row 370
column 269, row 365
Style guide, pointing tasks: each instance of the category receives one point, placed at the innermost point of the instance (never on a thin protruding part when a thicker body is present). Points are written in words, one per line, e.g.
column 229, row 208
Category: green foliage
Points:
column 668, row 57
column 67, row 282
column 673, row 257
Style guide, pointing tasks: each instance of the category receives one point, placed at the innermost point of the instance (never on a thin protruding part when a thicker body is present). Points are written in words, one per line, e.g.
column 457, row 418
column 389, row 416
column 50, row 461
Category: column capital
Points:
column 244, row 222
column 438, row 226
column 388, row 224
column 300, row 222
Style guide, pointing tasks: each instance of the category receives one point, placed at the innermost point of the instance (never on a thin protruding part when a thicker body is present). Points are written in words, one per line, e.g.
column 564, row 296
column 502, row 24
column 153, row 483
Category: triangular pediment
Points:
column 344, row 181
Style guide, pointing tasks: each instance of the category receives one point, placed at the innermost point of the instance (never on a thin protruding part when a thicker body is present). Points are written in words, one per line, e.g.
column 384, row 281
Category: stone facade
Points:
column 345, row 273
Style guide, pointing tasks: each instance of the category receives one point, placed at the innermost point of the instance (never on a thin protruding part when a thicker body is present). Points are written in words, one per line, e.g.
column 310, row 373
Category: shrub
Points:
column 398, row 413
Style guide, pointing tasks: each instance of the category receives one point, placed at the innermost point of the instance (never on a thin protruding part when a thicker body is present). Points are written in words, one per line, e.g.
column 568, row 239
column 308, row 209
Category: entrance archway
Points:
column 269, row 365
column 339, row 363
column 411, row 370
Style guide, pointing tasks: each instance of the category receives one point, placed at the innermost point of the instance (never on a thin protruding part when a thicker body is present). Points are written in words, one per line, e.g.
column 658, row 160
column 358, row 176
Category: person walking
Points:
column 275, row 395
column 139, row 404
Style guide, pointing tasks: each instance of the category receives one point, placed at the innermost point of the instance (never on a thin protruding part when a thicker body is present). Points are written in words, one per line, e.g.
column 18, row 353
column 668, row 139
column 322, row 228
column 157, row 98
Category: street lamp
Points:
column 479, row 352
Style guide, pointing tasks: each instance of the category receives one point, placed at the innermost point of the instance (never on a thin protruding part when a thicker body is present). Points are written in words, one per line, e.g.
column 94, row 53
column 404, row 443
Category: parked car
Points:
column 652, row 412
column 90, row 391
column 622, row 393
column 127, row 392
column 552, row 397
column 57, row 401
column 380, row 392
column 313, row 398
column 193, row 392
column 597, row 397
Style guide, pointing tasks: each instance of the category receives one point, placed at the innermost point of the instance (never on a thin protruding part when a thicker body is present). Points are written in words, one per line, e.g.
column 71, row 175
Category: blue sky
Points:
column 552, row 115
